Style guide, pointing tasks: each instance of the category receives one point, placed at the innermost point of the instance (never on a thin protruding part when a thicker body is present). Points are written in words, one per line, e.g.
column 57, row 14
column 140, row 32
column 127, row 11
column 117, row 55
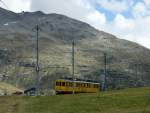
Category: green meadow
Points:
column 134, row 100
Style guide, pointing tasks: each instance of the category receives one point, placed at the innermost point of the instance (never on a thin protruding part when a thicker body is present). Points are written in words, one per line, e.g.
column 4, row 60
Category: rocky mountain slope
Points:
column 127, row 62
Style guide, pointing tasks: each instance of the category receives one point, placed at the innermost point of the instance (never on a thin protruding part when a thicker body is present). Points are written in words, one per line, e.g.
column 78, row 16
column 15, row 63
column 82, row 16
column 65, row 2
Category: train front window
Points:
column 58, row 84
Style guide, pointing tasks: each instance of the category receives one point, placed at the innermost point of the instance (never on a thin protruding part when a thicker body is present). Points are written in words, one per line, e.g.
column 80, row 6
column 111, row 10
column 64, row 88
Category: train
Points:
column 65, row 86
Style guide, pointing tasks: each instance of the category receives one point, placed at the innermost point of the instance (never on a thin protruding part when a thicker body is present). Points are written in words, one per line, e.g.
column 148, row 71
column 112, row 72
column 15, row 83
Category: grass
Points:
column 123, row 101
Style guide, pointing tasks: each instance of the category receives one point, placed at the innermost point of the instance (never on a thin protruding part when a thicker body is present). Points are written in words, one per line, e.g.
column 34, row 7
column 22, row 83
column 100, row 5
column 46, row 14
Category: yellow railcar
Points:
column 63, row 86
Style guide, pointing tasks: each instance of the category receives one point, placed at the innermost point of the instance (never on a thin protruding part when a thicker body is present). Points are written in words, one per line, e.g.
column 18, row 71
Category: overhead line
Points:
column 4, row 4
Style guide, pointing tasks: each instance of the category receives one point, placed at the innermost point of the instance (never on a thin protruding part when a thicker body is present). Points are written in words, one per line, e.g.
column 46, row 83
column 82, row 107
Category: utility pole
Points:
column 37, row 29
column 136, row 74
column 73, row 77
column 141, row 70
column 105, row 73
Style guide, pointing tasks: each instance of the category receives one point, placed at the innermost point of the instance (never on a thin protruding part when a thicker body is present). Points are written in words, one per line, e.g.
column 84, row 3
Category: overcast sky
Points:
column 127, row 19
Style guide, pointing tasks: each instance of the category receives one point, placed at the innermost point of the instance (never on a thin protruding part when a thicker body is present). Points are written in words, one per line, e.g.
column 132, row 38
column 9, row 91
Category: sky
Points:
column 127, row 19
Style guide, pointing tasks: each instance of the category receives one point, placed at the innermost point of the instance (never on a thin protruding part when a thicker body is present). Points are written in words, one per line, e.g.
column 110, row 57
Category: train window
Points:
column 80, row 84
column 67, row 84
column 58, row 84
column 63, row 83
column 77, row 84
column 95, row 86
column 88, row 85
column 84, row 85
column 70, row 84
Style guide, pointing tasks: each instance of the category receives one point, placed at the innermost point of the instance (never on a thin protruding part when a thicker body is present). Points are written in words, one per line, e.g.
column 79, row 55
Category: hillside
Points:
column 127, row 62
column 123, row 101
column 8, row 88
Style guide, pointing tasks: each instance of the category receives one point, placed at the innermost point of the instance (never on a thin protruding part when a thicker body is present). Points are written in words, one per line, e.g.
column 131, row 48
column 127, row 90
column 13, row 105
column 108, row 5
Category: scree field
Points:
column 123, row 101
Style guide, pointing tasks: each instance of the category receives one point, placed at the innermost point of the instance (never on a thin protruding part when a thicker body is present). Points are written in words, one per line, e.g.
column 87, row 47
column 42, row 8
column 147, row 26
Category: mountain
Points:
column 127, row 62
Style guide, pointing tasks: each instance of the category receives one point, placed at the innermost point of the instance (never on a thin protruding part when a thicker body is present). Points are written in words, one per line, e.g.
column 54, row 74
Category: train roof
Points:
column 93, row 82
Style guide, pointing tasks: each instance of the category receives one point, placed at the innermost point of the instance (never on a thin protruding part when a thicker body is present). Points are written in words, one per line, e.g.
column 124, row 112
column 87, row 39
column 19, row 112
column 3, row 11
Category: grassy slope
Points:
column 126, row 101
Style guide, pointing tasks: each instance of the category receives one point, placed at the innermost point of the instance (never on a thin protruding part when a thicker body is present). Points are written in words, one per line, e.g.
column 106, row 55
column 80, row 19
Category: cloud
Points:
column 140, row 10
column 121, row 27
column 133, row 29
column 78, row 9
column 73, row 8
column 123, row 23
column 115, row 5
column 96, row 19
column 147, row 2
column 16, row 5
